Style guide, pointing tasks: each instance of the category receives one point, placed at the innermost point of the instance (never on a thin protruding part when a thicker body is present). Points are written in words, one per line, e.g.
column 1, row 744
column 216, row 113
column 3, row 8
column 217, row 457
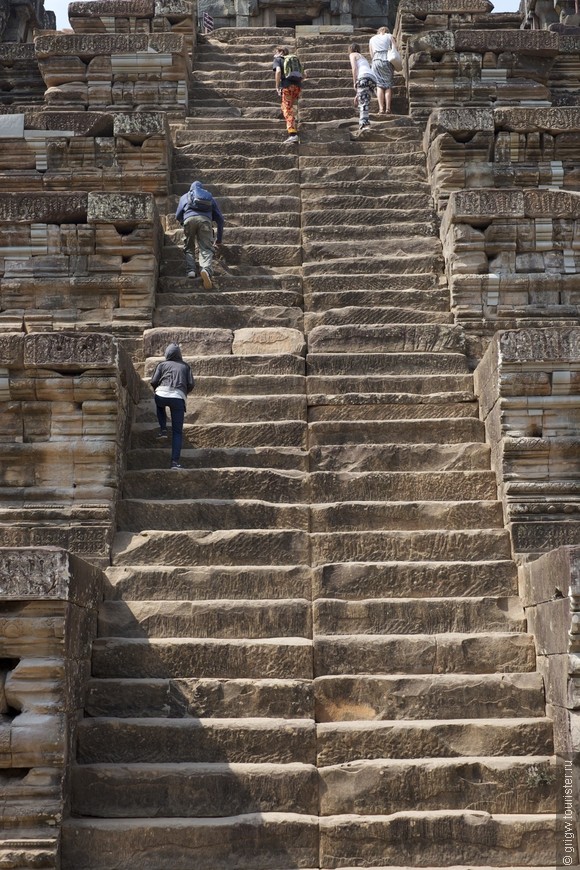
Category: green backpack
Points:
column 293, row 69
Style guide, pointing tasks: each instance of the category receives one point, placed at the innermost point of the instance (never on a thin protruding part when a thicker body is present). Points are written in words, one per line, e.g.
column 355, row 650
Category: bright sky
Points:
column 61, row 9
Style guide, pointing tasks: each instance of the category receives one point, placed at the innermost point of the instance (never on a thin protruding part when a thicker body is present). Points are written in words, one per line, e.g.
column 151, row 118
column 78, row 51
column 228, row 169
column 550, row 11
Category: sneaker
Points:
column 176, row 465
column 192, row 275
column 206, row 278
column 292, row 139
column 162, row 434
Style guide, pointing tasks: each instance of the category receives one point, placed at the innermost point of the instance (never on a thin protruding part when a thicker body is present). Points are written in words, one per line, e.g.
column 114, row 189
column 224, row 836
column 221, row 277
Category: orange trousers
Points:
column 290, row 97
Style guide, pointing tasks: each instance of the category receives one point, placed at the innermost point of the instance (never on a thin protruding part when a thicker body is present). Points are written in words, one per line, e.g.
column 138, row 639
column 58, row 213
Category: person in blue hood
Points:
column 172, row 381
column 197, row 211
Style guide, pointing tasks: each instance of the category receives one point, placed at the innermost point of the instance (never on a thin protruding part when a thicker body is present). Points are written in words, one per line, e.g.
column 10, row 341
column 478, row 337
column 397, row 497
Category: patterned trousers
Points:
column 365, row 89
column 290, row 97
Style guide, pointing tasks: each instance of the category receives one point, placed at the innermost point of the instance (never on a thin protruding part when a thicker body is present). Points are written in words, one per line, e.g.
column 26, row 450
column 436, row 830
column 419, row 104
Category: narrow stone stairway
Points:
column 432, row 744
column 312, row 653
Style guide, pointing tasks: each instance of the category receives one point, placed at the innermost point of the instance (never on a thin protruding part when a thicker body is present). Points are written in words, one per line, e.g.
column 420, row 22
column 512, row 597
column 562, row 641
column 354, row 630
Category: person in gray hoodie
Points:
column 197, row 211
column 172, row 381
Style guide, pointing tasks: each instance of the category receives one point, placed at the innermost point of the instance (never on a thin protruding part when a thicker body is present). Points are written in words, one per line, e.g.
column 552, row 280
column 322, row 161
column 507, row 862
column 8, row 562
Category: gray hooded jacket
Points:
column 173, row 373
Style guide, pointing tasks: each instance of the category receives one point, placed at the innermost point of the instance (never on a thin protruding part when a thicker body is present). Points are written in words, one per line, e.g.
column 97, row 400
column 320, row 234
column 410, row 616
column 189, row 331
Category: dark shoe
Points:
column 162, row 434
column 176, row 465
column 206, row 278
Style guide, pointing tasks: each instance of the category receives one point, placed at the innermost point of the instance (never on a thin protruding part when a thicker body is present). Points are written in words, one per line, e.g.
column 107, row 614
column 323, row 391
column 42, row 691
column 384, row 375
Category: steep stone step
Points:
column 379, row 282
column 267, row 190
column 438, row 696
column 414, row 579
column 480, row 653
column 254, row 841
column 269, row 366
column 218, row 547
column 177, row 293
column 207, row 619
column 193, row 790
column 439, row 837
column 450, row 430
column 341, row 742
column 435, row 546
column 251, row 255
column 372, row 364
column 346, row 231
column 230, row 483
column 386, row 406
column 234, row 174
column 492, row 785
column 366, row 247
column 159, row 741
column 247, row 435
column 191, row 156
column 378, row 515
column 233, row 513
column 400, row 457
column 190, row 698
column 228, row 316
column 243, row 384
column 273, row 658
column 380, row 616
column 367, row 191
column 238, row 409
column 392, row 217
column 218, row 457
column 421, row 384
column 181, row 584
column 322, row 205
column 329, row 263
column 402, row 486
column 371, row 316
column 405, row 298
column 394, row 172
column 236, row 201
column 402, row 157
column 400, row 338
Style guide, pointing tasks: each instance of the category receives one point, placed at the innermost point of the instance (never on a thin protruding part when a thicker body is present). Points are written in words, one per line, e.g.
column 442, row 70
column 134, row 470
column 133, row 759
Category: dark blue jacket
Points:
column 185, row 210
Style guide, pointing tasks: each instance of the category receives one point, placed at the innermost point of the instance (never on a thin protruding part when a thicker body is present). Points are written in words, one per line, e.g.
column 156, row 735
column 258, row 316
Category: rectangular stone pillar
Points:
column 48, row 614
column 529, row 388
column 550, row 591
column 67, row 403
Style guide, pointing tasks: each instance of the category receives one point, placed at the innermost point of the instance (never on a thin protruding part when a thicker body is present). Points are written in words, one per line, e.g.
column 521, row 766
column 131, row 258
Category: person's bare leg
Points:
column 387, row 97
column 381, row 99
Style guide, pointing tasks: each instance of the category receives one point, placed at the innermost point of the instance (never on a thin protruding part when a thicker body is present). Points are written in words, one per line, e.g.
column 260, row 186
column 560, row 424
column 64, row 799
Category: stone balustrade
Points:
column 115, row 72
column 48, row 614
column 134, row 16
column 529, row 388
column 83, row 151
column 21, row 83
column 78, row 261
column 550, row 588
column 67, row 404
column 463, row 67
column 503, row 148
column 512, row 259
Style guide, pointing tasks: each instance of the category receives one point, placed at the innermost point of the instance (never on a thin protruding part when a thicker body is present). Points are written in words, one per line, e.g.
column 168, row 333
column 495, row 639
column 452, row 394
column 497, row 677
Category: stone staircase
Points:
column 312, row 653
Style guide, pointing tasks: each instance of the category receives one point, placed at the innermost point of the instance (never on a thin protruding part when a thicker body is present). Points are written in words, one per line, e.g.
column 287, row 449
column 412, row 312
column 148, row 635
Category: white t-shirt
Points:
column 380, row 42
column 363, row 68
